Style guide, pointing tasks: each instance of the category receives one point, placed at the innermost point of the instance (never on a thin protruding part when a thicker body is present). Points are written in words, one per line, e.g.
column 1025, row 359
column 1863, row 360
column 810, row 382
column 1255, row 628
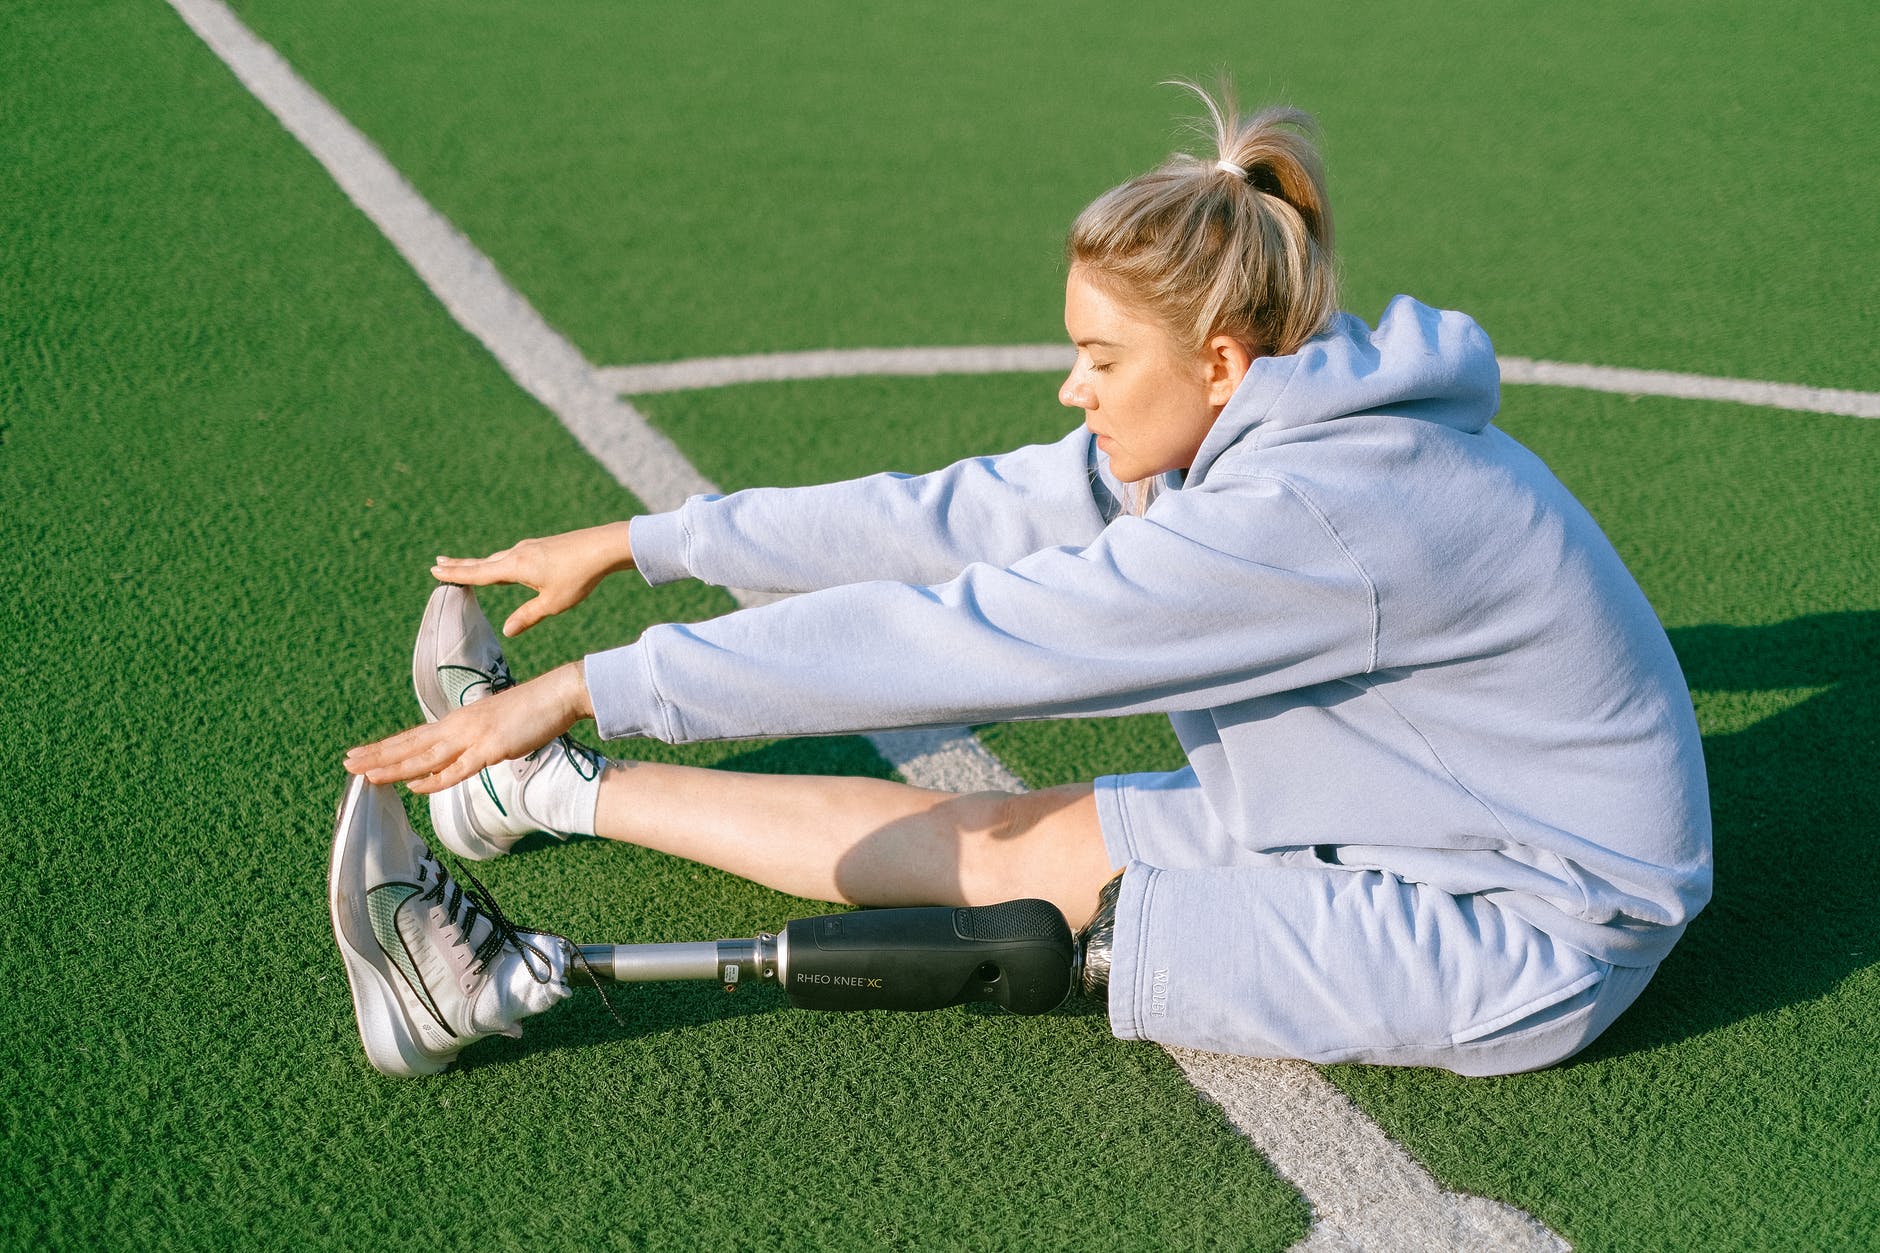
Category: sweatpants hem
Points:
column 1130, row 1000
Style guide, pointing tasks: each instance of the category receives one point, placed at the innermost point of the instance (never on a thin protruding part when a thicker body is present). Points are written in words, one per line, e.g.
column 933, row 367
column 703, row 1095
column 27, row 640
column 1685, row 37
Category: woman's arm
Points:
column 904, row 528
column 908, row 528
column 1212, row 597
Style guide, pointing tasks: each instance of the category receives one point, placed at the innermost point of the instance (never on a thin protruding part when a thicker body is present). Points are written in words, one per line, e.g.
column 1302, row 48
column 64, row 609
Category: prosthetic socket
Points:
column 1091, row 978
column 1019, row 955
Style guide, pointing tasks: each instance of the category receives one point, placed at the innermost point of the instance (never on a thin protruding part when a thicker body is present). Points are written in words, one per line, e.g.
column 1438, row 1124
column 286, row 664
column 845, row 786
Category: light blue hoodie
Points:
column 1375, row 621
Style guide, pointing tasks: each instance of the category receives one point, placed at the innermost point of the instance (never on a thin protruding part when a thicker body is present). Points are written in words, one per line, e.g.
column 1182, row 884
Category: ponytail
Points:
column 1239, row 244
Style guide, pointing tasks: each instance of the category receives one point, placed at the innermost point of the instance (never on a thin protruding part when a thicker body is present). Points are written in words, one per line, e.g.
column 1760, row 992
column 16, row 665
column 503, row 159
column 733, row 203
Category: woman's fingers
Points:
column 528, row 613
column 475, row 571
column 428, row 764
column 408, row 755
column 423, row 760
column 450, row 776
column 400, row 767
column 379, row 753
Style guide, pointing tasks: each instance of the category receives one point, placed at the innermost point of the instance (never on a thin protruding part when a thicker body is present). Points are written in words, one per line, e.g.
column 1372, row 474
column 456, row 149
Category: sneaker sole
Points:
column 450, row 813
column 451, row 817
column 431, row 696
column 381, row 1017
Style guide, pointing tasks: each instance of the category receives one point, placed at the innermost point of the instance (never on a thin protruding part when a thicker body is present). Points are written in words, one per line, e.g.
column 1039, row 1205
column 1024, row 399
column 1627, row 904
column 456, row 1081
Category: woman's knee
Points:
column 1046, row 844
column 1015, row 816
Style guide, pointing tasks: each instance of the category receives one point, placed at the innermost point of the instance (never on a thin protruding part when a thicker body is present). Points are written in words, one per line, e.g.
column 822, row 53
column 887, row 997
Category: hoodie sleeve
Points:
column 1214, row 596
column 906, row 528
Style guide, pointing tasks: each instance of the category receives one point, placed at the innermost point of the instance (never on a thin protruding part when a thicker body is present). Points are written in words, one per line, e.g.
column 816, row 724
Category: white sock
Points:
column 560, row 799
column 513, row 991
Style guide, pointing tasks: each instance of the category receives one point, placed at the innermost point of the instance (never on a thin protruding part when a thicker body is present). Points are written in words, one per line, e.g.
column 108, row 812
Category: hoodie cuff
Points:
column 659, row 543
column 620, row 687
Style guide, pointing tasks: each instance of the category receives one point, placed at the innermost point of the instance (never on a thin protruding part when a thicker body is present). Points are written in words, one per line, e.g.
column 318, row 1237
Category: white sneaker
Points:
column 457, row 660
column 432, row 968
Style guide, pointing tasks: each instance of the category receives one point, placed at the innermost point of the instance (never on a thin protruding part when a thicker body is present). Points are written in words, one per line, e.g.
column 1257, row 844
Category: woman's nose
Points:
column 1075, row 393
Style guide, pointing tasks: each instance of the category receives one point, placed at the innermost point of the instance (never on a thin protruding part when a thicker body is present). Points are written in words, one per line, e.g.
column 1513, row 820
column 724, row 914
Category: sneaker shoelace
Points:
column 463, row 906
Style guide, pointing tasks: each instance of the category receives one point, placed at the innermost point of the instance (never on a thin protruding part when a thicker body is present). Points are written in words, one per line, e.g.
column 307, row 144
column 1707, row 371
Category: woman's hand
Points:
column 500, row 727
column 562, row 569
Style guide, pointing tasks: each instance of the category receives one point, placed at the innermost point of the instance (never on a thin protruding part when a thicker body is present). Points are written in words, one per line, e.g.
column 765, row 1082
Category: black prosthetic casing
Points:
column 1017, row 954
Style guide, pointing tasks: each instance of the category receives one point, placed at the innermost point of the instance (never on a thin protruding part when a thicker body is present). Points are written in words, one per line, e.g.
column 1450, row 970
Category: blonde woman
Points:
column 1445, row 802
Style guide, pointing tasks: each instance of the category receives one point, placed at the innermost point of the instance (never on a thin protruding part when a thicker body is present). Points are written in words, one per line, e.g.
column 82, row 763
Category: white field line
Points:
column 703, row 372
column 545, row 365
column 777, row 367
column 1365, row 1192
column 1604, row 378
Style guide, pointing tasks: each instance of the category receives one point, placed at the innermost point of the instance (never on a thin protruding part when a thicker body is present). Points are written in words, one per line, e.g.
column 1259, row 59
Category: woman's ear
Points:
column 1226, row 361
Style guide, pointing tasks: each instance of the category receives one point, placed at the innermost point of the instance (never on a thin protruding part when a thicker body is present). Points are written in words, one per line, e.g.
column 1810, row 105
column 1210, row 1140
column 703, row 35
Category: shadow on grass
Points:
column 1796, row 803
column 645, row 1009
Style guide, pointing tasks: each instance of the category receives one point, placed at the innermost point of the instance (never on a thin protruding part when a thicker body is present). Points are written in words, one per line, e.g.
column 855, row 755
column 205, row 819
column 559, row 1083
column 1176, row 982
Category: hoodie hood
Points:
column 1434, row 365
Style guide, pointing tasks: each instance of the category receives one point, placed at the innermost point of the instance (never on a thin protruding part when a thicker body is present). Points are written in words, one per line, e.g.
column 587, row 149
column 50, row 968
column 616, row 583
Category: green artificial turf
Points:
column 1682, row 185
column 233, row 430
column 1734, row 1106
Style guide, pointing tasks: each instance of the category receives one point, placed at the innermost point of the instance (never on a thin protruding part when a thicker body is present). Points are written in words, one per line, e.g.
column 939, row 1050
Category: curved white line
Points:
column 1607, row 378
column 1365, row 1192
column 777, row 367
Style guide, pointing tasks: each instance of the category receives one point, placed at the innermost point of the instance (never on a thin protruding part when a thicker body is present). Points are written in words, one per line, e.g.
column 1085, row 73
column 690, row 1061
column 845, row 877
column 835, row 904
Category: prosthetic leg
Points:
column 434, row 965
column 1019, row 955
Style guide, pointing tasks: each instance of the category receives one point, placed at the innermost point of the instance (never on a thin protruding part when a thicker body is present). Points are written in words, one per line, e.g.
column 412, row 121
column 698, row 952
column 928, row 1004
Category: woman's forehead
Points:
column 1093, row 315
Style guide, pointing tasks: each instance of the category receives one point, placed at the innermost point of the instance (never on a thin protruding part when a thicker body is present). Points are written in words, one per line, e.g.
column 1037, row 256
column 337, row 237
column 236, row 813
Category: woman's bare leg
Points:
column 865, row 841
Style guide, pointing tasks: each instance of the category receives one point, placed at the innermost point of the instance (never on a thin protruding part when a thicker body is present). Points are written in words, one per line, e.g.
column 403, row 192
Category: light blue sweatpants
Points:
column 1283, row 955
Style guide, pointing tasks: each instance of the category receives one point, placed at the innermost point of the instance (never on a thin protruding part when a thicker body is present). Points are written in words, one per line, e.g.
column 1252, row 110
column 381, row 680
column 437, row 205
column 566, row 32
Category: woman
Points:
column 1445, row 801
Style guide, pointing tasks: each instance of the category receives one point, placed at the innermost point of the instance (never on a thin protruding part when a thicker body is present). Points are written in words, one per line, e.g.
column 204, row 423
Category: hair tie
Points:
column 1228, row 167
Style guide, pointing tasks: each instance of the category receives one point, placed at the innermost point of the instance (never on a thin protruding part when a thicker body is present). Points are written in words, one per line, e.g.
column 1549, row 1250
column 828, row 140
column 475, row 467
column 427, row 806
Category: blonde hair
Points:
column 1208, row 250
